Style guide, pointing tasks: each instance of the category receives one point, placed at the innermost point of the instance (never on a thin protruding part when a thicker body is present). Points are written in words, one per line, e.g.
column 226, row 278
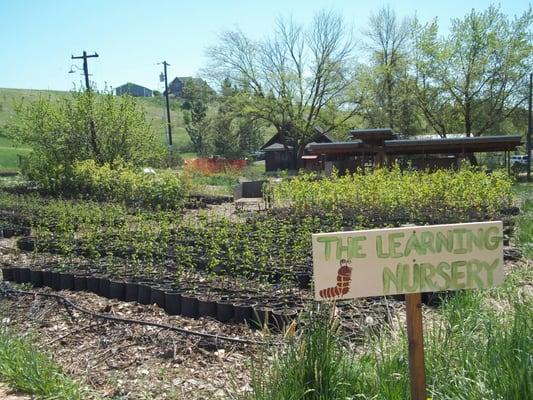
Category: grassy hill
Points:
column 154, row 108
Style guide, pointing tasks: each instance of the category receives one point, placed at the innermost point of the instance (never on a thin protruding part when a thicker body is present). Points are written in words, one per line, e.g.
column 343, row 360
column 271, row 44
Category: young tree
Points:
column 294, row 80
column 475, row 77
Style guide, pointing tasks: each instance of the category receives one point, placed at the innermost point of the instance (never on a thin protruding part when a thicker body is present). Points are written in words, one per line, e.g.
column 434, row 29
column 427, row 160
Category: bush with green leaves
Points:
column 82, row 126
column 392, row 196
column 162, row 189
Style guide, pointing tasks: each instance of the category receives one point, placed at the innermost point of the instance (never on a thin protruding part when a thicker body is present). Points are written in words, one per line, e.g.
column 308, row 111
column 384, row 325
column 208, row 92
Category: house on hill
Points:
column 133, row 90
column 279, row 156
column 175, row 87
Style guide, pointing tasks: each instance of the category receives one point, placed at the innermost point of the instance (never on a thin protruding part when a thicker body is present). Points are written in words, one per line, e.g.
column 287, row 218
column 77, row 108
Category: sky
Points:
column 38, row 37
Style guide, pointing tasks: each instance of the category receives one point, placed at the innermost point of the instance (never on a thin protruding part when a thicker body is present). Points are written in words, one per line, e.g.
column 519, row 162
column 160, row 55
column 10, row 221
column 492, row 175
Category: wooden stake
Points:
column 417, row 372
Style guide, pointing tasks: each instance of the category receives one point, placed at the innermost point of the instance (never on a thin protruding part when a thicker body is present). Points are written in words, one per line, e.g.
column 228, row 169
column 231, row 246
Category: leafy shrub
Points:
column 82, row 126
column 162, row 189
column 394, row 196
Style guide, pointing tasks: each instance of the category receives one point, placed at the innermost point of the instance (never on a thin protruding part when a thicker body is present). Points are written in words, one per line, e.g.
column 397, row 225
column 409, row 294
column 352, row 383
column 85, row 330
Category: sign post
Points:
column 408, row 260
column 415, row 337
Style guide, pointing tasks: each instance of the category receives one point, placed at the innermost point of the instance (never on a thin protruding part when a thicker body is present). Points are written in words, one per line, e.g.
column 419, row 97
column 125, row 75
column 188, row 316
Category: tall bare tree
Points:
column 385, row 80
column 296, row 79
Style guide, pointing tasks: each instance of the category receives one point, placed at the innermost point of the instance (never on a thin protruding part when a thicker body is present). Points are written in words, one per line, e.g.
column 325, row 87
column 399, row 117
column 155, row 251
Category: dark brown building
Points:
column 378, row 147
column 280, row 156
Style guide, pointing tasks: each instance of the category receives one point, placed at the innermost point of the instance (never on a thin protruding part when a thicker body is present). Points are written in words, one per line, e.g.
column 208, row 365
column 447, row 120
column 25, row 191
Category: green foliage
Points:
column 26, row 369
column 312, row 366
column 162, row 189
column 395, row 195
column 524, row 235
column 477, row 347
column 78, row 127
column 475, row 77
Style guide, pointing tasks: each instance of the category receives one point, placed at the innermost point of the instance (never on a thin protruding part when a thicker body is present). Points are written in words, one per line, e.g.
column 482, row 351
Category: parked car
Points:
column 519, row 159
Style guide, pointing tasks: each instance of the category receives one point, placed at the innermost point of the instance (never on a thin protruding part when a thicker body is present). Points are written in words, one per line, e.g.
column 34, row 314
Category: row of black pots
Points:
column 10, row 231
column 174, row 300
column 302, row 277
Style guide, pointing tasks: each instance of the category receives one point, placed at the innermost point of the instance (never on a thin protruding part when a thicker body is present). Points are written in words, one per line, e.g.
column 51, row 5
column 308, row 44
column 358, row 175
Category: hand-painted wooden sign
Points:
column 407, row 260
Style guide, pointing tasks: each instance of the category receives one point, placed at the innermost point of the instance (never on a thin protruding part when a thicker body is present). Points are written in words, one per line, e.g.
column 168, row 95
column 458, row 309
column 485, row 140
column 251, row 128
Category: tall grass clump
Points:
column 27, row 370
column 312, row 366
column 478, row 345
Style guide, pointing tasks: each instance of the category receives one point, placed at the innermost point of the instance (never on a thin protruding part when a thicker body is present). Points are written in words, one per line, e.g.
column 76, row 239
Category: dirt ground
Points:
column 7, row 394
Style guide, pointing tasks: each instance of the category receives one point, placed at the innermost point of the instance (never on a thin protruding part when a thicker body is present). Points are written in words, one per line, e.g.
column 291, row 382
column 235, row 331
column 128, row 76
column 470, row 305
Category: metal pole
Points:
column 169, row 127
column 529, row 128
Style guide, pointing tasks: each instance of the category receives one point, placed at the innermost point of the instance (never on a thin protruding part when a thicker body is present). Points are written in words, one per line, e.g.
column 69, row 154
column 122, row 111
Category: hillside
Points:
column 154, row 108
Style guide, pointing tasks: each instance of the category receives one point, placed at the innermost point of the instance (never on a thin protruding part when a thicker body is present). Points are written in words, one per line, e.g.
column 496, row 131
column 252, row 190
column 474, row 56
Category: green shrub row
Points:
column 161, row 189
column 413, row 195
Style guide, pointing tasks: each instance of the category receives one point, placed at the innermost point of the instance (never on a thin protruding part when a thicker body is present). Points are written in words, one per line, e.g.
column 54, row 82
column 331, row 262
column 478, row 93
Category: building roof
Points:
column 320, row 137
column 276, row 147
column 453, row 144
column 130, row 84
column 422, row 146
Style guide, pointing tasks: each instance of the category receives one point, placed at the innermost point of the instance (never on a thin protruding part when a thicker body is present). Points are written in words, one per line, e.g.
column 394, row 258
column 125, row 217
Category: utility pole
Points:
column 529, row 128
column 85, row 66
column 169, row 127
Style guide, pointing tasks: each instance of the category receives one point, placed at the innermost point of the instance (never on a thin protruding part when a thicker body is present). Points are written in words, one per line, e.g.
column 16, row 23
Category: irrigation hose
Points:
column 216, row 338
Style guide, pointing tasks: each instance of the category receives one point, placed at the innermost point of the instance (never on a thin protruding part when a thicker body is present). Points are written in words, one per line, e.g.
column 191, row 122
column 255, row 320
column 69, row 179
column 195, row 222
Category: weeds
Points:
column 27, row 370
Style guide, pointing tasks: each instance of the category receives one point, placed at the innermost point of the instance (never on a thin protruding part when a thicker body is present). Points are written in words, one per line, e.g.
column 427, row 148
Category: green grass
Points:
column 478, row 347
column 26, row 369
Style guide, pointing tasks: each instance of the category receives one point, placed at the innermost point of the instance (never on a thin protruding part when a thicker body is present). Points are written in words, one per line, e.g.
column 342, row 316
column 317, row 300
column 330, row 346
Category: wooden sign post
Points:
column 415, row 337
column 408, row 260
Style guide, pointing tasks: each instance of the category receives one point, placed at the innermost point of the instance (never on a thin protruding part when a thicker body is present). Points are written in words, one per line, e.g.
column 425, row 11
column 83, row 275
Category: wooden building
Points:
column 280, row 156
column 133, row 90
column 378, row 147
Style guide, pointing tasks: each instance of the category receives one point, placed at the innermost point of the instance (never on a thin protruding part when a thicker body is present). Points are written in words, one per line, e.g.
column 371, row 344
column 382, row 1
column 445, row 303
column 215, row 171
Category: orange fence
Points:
column 214, row 165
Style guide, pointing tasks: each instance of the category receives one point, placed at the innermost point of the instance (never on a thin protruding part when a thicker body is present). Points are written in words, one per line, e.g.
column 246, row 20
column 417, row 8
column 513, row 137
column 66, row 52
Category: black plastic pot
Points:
column 26, row 243
column 173, row 303
column 144, row 295
column 117, row 290
column 55, row 280
column 25, row 231
column 131, row 291
column 8, row 232
column 189, row 305
column 16, row 274
column 36, row 278
column 66, row 281
column 261, row 316
column 103, row 287
column 7, row 273
column 25, row 275
column 282, row 318
column 304, row 280
column 243, row 312
column 157, row 296
column 47, row 278
column 224, row 311
column 207, row 307
column 80, row 283
column 93, row 284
